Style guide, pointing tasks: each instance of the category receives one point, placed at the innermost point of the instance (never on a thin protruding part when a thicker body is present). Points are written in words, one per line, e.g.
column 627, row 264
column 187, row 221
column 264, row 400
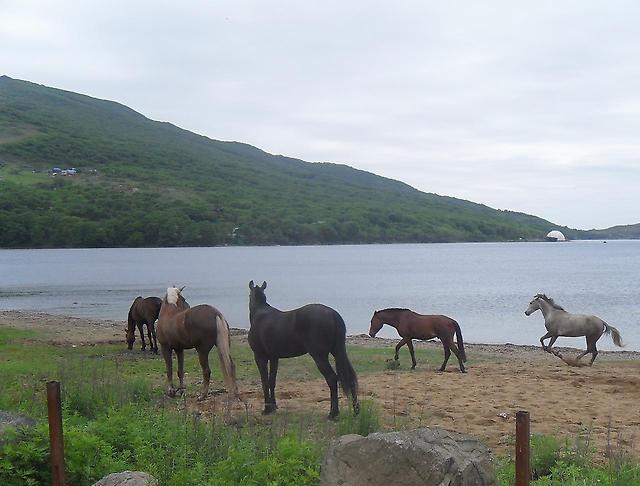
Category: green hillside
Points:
column 146, row 183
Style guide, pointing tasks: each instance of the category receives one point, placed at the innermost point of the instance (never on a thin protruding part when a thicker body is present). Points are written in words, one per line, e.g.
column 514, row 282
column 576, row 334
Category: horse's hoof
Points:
column 463, row 371
column 201, row 397
column 413, row 367
column 171, row 393
column 333, row 416
column 155, row 351
column 268, row 411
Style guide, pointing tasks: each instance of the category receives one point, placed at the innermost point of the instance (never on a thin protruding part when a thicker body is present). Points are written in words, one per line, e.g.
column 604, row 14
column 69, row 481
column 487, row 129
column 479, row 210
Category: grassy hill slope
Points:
column 146, row 183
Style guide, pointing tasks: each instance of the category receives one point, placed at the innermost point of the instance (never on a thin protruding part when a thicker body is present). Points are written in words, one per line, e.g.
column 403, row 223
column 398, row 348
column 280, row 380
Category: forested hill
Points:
column 139, row 182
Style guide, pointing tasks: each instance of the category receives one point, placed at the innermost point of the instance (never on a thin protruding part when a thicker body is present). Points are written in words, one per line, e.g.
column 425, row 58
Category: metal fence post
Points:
column 523, row 471
column 54, row 407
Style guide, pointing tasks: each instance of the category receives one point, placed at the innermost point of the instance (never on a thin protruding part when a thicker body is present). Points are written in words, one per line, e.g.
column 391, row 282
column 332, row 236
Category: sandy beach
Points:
column 603, row 400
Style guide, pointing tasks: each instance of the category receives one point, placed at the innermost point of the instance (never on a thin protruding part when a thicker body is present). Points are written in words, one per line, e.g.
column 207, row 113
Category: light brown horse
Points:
column 143, row 311
column 411, row 325
column 201, row 327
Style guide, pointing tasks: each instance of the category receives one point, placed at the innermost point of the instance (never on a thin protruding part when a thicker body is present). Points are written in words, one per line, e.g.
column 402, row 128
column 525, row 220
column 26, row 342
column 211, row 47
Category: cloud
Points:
column 526, row 107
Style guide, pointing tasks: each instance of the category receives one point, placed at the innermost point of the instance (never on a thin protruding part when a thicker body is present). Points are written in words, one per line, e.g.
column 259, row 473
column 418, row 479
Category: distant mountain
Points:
column 139, row 182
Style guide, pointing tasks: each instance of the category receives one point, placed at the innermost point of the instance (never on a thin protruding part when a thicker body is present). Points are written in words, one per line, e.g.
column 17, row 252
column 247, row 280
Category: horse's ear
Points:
column 182, row 288
column 251, row 285
column 264, row 285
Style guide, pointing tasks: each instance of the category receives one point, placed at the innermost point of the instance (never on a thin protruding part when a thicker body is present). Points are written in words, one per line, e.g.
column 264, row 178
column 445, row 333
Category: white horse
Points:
column 559, row 322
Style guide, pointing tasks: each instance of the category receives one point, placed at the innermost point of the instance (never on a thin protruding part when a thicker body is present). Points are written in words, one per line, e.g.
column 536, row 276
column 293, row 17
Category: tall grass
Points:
column 113, row 422
column 557, row 463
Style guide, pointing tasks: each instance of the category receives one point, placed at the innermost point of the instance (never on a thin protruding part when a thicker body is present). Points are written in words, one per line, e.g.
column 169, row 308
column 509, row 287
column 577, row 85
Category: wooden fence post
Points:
column 523, row 470
column 54, row 407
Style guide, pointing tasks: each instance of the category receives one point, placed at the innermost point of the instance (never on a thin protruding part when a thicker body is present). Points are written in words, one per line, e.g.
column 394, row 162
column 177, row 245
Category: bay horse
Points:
column 201, row 327
column 559, row 322
column 411, row 325
column 143, row 311
column 314, row 329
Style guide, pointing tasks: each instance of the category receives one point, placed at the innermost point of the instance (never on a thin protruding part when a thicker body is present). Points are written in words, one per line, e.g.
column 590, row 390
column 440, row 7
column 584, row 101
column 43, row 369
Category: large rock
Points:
column 428, row 456
column 127, row 478
column 13, row 420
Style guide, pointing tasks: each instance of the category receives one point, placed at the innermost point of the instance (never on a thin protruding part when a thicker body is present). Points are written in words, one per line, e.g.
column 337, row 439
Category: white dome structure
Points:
column 555, row 235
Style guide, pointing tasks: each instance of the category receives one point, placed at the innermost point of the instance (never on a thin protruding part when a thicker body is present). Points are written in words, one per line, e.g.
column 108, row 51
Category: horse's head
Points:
column 534, row 305
column 131, row 336
column 174, row 297
column 256, row 294
column 376, row 324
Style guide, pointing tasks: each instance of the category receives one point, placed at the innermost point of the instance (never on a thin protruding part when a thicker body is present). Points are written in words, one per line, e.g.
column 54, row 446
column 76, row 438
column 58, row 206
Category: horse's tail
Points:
column 346, row 374
column 460, row 342
column 223, row 345
column 615, row 334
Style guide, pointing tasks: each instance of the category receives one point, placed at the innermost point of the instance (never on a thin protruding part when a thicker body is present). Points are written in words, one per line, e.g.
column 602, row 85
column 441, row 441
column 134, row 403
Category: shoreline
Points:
column 67, row 330
column 503, row 378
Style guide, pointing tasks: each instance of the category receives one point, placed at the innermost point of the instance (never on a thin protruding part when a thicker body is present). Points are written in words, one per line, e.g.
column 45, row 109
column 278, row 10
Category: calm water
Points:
column 485, row 286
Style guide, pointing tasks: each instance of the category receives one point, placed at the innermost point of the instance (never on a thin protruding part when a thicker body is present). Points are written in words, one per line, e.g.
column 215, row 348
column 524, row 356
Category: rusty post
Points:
column 523, row 472
column 54, row 407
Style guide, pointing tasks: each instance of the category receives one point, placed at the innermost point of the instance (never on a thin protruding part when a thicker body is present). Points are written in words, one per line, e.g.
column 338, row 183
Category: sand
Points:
column 601, row 402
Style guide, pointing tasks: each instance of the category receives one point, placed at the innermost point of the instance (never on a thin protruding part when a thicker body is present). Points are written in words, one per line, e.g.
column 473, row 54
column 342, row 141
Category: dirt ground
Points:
column 602, row 401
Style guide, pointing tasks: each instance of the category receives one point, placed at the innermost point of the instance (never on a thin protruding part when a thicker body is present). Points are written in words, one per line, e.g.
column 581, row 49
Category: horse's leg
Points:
column 456, row 351
column 402, row 342
column 180, row 355
column 447, row 352
column 155, row 339
column 586, row 351
column 322, row 362
column 591, row 345
column 264, row 378
column 546, row 336
column 149, row 335
column 551, row 341
column 273, row 371
column 203, row 357
column 144, row 345
column 413, row 356
column 167, row 355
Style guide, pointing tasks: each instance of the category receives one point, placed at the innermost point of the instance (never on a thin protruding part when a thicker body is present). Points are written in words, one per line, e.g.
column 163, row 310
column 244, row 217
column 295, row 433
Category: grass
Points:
column 116, row 417
column 22, row 175
column 572, row 463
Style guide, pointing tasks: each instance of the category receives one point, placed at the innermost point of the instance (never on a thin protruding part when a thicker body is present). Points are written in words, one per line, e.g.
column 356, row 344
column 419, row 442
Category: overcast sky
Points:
column 528, row 106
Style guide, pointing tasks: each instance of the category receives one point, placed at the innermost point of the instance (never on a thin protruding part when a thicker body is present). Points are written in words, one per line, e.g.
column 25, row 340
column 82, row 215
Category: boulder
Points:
column 127, row 478
column 427, row 456
column 14, row 420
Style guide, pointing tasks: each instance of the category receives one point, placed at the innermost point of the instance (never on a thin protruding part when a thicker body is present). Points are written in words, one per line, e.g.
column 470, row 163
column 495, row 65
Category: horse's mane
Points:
column 550, row 301
column 394, row 309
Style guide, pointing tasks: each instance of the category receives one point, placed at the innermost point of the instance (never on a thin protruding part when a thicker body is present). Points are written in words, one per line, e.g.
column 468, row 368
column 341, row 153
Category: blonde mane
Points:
column 172, row 295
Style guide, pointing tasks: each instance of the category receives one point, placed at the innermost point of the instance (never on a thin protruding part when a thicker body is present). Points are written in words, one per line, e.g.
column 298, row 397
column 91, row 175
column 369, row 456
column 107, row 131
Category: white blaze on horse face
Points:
column 172, row 295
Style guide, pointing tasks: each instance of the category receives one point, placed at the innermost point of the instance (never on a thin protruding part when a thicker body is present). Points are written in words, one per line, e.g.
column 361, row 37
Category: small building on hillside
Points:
column 555, row 235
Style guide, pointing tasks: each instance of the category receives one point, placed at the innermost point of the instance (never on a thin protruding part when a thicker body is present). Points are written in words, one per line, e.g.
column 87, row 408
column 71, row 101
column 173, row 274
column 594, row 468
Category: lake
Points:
column 485, row 286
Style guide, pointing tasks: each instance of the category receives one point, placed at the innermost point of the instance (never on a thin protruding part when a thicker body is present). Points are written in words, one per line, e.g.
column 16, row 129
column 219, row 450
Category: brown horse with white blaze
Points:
column 201, row 327
column 411, row 325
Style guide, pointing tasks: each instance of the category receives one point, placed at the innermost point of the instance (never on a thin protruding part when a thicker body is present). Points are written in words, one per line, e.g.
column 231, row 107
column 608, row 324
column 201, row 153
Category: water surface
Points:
column 484, row 286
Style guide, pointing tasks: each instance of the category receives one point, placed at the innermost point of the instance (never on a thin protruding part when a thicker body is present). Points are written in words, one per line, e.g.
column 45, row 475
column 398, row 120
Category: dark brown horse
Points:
column 143, row 311
column 315, row 329
column 201, row 327
column 411, row 325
